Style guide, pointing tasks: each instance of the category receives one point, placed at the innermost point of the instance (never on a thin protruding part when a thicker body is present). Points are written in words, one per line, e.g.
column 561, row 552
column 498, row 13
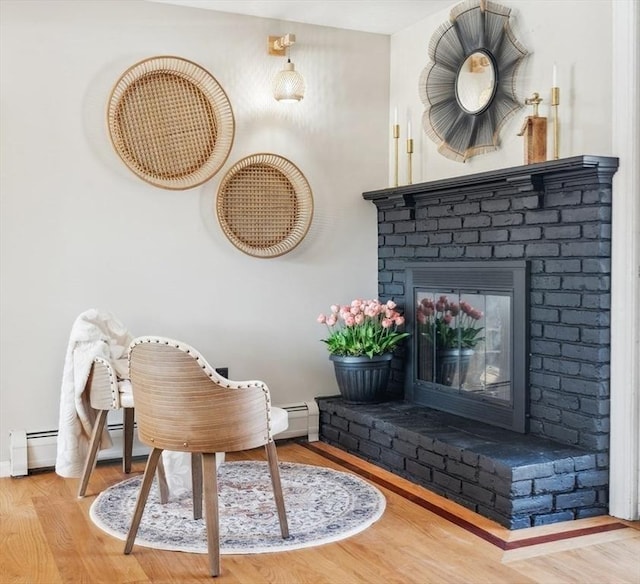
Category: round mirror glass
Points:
column 476, row 82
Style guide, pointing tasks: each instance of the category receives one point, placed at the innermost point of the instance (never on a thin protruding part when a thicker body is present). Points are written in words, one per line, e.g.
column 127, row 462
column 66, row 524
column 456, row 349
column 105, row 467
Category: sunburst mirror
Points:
column 469, row 87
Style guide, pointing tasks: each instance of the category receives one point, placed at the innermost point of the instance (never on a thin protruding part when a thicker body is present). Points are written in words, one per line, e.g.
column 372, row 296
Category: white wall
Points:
column 79, row 230
column 574, row 34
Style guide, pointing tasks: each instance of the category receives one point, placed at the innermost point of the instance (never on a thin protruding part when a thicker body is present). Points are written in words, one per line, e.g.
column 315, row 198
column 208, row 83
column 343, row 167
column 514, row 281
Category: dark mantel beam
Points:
column 518, row 179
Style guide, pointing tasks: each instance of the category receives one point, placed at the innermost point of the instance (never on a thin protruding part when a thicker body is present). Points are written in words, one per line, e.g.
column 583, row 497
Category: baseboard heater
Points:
column 37, row 450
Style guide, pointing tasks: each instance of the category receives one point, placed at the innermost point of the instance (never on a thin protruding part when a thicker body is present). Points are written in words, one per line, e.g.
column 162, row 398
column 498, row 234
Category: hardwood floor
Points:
column 46, row 537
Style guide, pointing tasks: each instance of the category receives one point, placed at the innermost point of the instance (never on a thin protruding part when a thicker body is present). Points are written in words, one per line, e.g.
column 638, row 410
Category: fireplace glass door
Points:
column 464, row 342
column 468, row 344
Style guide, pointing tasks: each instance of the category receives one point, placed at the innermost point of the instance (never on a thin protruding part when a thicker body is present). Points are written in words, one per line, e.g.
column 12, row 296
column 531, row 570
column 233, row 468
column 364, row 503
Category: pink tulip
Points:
column 447, row 318
column 349, row 320
column 391, row 304
column 335, row 309
column 399, row 320
column 386, row 323
column 322, row 319
column 359, row 318
column 331, row 321
column 454, row 309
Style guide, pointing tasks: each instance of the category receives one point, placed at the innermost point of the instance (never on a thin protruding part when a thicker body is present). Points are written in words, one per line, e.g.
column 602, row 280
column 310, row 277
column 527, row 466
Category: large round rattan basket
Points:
column 170, row 122
column 264, row 205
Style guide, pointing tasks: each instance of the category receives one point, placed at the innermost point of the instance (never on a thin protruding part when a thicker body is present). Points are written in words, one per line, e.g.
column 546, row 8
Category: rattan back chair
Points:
column 184, row 405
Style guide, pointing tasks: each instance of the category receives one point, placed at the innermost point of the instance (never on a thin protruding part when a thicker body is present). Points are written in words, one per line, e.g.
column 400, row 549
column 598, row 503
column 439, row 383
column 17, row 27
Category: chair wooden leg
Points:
column 162, row 482
column 211, row 511
column 274, row 471
column 94, row 445
column 149, row 471
column 127, row 448
column 196, row 484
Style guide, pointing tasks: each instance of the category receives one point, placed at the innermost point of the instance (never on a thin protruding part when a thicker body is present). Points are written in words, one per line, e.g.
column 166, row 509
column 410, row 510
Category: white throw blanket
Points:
column 93, row 334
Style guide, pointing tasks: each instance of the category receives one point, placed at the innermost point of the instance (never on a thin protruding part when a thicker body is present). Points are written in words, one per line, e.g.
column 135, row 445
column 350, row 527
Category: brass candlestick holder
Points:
column 409, row 153
column 555, row 102
column 396, row 137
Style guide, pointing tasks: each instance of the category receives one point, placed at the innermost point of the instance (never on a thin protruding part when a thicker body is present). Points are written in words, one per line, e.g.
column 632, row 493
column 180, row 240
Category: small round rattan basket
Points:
column 170, row 122
column 264, row 205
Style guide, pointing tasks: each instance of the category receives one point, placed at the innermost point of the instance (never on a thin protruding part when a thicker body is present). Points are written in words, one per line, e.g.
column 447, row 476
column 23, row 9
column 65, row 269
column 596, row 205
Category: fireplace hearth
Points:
column 553, row 217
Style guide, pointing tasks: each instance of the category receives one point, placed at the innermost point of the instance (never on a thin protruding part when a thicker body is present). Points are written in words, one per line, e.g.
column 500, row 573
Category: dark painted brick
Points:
column 330, row 433
column 585, row 422
column 562, row 232
column 546, row 282
column 543, row 249
column 494, row 236
column 525, row 234
column 348, row 441
column 546, row 413
column 593, row 478
column 596, row 336
column 432, row 459
column 466, row 236
column 470, row 458
column 563, row 299
column 494, row 205
column 587, row 249
column 392, row 459
column 398, row 215
column 552, row 518
column 427, row 225
column 339, row 422
column 530, row 202
column 586, row 214
column 476, row 221
column 447, row 482
column 381, row 438
column 596, row 407
column 550, row 348
column 369, row 449
column 478, row 494
column 536, row 504
column 585, row 353
column 406, row 227
column 586, row 317
column 395, row 240
column 584, row 387
column 560, row 433
column 440, row 238
column 586, row 283
column 555, row 484
column 561, row 366
column 547, row 216
column 440, row 210
column 563, row 198
column 585, row 462
column 462, row 470
column 594, row 441
column 546, row 314
column 428, row 252
column 452, row 252
column 507, row 219
column 563, row 266
column 577, row 499
column 450, row 223
column 597, row 265
column 418, row 470
column 560, row 399
column 596, row 301
column 591, row 512
column 405, row 448
column 545, row 380
column 532, row 471
column 466, row 208
column 602, row 195
column 563, row 466
column 509, row 251
column 596, row 231
column 478, row 251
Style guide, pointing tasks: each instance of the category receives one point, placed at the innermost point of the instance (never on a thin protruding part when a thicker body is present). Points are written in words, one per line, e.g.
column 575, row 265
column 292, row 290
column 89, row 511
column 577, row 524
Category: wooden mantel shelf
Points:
column 518, row 179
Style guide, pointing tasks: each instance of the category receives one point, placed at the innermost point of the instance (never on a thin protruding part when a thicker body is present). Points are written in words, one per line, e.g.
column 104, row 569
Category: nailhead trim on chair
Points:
column 210, row 371
column 113, row 383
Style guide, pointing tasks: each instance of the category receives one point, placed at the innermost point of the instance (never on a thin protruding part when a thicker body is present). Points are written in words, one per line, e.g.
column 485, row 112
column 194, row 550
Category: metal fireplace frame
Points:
column 502, row 277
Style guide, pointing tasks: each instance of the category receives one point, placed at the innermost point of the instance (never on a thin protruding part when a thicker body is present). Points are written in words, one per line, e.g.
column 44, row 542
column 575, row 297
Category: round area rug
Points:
column 323, row 505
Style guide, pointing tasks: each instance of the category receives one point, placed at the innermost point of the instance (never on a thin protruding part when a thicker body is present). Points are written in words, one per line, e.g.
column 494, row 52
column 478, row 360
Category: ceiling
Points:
column 377, row 16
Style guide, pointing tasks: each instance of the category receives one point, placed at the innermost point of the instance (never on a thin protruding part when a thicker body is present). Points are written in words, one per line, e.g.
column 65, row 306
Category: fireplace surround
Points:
column 555, row 217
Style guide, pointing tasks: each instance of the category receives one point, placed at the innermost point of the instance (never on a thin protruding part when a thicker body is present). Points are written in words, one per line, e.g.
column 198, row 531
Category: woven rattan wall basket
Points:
column 264, row 205
column 170, row 122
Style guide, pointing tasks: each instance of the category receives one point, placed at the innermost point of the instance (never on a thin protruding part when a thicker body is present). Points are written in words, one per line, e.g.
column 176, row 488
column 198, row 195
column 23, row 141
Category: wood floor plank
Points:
column 47, row 537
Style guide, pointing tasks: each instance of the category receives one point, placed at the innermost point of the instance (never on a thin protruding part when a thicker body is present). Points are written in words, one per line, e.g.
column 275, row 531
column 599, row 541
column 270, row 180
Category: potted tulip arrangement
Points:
column 452, row 329
column 362, row 337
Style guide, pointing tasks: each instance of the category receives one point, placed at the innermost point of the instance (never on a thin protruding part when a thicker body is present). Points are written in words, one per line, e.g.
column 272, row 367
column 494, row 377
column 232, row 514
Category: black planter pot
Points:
column 362, row 380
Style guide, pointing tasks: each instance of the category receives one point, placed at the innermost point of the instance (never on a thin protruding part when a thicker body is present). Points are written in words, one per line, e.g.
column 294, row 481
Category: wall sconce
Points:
column 288, row 84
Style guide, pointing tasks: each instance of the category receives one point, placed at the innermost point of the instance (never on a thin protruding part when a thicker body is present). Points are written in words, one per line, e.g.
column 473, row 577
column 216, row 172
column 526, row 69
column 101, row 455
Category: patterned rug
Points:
column 323, row 505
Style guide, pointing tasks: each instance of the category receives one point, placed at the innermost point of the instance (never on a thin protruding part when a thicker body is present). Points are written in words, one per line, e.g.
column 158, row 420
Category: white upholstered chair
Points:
column 184, row 405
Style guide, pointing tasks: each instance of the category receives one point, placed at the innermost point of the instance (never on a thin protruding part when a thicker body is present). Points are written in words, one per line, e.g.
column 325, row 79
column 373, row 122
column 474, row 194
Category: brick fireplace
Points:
column 553, row 217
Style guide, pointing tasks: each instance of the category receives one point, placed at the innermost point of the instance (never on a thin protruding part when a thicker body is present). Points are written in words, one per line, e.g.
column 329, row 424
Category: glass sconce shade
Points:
column 288, row 84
